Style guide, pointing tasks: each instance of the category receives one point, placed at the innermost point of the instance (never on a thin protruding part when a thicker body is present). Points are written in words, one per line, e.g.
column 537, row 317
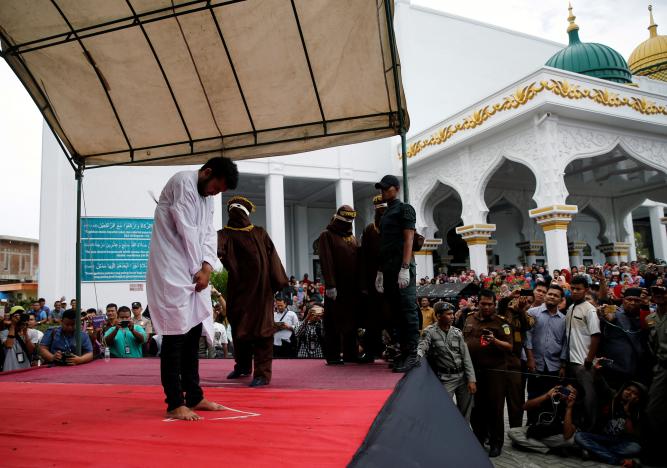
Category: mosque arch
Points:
column 507, row 161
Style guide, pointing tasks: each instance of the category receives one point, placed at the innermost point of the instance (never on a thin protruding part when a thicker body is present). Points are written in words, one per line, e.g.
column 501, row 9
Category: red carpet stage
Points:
column 111, row 414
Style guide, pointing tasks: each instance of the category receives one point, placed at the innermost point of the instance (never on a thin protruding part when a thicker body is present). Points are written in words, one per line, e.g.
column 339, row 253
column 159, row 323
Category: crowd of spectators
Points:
column 575, row 350
column 582, row 352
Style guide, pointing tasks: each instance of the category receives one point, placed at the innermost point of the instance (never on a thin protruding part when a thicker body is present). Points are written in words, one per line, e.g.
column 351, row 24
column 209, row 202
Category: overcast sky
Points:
column 620, row 24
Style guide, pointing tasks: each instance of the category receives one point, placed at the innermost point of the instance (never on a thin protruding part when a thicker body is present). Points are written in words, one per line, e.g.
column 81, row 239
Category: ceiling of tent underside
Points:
column 176, row 82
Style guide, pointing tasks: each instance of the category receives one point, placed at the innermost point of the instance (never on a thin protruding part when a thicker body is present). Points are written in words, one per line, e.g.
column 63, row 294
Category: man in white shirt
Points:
column 286, row 322
column 582, row 335
column 183, row 253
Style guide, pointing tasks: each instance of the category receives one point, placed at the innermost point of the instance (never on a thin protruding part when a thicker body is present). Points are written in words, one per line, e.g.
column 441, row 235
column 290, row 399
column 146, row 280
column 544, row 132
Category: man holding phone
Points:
column 124, row 338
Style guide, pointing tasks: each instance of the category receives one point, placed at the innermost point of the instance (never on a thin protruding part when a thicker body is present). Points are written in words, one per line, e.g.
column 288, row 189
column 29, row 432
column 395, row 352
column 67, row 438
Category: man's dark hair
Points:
column 558, row 288
column 32, row 314
column 541, row 283
column 487, row 293
column 112, row 305
column 281, row 298
column 223, row 167
column 441, row 307
column 579, row 279
column 41, row 299
column 124, row 309
column 92, row 310
column 69, row 314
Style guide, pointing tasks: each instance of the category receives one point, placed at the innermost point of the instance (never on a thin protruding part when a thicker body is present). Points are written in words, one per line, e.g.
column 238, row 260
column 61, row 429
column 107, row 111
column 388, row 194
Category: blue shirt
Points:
column 56, row 341
column 41, row 315
column 546, row 338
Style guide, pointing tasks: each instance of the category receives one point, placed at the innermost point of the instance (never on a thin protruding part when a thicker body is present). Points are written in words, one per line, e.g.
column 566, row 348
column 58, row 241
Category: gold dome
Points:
column 650, row 57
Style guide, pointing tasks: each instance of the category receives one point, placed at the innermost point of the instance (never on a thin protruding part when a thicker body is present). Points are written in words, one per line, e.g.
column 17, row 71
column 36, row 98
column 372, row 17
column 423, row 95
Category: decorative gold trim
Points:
column 555, row 226
column 348, row 214
column 567, row 208
column 247, row 228
column 477, row 241
column 526, row 94
column 423, row 252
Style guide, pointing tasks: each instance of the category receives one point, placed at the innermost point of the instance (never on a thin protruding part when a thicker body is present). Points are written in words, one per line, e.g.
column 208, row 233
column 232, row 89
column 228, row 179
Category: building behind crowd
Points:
column 521, row 150
column 19, row 262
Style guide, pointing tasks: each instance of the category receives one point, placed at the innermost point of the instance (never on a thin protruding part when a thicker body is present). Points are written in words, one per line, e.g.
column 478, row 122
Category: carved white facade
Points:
column 556, row 119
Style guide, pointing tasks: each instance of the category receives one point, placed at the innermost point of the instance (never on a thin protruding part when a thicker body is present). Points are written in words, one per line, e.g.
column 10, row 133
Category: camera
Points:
column 564, row 392
column 124, row 323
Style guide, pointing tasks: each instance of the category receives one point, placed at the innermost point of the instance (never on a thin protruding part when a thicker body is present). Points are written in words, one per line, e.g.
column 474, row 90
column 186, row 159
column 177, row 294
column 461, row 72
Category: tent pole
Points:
column 404, row 165
column 78, row 175
column 401, row 118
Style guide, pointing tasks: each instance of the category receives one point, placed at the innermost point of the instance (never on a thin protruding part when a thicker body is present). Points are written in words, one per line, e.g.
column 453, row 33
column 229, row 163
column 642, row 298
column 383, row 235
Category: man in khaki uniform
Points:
column 489, row 339
column 444, row 347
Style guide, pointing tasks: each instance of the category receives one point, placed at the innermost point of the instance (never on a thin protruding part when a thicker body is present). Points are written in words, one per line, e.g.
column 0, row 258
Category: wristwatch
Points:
column 405, row 266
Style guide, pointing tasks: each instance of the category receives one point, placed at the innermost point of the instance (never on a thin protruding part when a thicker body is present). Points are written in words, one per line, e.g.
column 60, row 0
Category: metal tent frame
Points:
column 195, row 150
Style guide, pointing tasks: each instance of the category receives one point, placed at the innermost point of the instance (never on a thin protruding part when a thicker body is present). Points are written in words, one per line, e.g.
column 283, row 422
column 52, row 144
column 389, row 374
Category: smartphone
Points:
column 526, row 293
column 564, row 391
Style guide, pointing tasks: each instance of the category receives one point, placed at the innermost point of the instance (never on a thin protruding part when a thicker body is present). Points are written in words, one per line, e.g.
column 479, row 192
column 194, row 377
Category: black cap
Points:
column 136, row 305
column 388, row 181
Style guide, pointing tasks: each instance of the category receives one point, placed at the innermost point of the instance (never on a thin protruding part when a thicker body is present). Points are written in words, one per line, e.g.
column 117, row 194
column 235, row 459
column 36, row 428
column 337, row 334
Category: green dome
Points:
column 597, row 60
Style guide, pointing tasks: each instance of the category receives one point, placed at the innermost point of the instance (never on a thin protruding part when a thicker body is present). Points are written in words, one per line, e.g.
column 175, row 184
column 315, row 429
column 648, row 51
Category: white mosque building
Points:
column 546, row 153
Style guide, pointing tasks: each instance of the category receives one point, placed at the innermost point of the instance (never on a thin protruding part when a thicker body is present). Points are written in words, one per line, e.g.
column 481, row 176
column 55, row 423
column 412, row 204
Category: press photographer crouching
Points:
column 18, row 347
column 557, row 421
column 59, row 343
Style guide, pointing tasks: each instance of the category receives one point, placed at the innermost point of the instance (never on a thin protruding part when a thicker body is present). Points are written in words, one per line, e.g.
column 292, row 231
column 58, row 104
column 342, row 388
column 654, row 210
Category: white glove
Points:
column 404, row 278
column 331, row 293
column 379, row 282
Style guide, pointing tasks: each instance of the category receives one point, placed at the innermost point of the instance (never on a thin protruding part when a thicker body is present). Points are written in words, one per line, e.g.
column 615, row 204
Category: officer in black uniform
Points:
column 397, row 274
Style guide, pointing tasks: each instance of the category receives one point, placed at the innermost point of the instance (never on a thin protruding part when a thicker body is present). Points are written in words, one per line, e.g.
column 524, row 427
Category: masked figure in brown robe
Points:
column 375, row 316
column 255, row 274
column 339, row 260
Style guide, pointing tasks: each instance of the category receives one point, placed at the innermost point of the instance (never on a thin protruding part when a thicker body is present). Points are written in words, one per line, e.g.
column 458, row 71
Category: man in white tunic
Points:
column 183, row 253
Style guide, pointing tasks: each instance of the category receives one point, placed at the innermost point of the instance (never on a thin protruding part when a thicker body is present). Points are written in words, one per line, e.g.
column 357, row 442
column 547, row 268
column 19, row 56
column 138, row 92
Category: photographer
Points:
column 309, row 334
column 59, row 343
column 124, row 338
column 17, row 345
column 556, row 422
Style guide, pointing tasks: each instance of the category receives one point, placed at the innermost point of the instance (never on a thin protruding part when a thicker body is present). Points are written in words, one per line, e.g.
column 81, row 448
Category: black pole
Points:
column 78, row 175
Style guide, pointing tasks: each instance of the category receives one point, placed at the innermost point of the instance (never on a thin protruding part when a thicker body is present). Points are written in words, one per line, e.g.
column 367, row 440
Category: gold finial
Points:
column 653, row 28
column 573, row 26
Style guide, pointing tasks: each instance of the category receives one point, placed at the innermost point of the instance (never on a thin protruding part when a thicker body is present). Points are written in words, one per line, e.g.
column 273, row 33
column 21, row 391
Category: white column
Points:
column 344, row 193
column 302, row 247
column 477, row 237
column 478, row 258
column 275, row 213
column 630, row 238
column 424, row 261
column 554, row 220
column 658, row 232
column 557, row 253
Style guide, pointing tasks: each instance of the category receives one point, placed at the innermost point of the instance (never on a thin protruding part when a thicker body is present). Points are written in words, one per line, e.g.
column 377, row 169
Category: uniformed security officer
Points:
column 489, row 339
column 656, row 409
column 397, row 274
column 447, row 353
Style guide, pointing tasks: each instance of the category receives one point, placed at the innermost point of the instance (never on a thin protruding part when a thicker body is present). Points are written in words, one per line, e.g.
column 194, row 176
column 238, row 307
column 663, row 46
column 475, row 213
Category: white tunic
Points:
column 183, row 238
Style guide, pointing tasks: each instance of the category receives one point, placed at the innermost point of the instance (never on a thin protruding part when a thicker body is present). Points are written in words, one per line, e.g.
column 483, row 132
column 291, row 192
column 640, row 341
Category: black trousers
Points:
column 487, row 418
column 179, row 369
column 404, row 309
column 259, row 350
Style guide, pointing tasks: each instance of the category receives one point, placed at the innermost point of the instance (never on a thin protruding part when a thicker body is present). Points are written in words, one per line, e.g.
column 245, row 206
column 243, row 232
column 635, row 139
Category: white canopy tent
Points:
column 176, row 82
column 171, row 82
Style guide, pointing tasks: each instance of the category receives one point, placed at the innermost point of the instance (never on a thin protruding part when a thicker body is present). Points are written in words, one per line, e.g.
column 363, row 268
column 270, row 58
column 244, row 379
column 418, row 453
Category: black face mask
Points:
column 238, row 218
column 339, row 227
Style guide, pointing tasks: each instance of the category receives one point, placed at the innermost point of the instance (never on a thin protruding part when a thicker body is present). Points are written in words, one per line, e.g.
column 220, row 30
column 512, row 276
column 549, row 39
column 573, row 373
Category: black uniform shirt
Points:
column 398, row 217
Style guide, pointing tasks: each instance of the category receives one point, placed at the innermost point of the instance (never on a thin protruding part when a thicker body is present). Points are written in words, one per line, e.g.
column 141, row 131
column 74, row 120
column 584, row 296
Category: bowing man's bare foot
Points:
column 183, row 413
column 206, row 405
